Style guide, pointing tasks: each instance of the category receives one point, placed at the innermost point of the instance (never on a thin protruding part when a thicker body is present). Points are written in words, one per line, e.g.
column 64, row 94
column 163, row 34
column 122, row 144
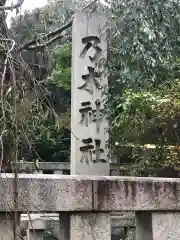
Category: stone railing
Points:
column 86, row 204
column 57, row 167
column 122, row 226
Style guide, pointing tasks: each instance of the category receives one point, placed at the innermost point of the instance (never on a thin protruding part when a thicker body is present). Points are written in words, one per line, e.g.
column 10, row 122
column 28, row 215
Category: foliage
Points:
column 61, row 73
column 47, row 130
column 53, row 134
column 144, row 87
column 145, row 42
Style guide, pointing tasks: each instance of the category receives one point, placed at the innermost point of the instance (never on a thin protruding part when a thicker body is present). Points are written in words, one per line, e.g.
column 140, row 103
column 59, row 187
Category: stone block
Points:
column 89, row 149
column 7, row 227
column 166, row 225
column 56, row 193
column 90, row 226
column 136, row 193
column 44, row 193
column 59, row 193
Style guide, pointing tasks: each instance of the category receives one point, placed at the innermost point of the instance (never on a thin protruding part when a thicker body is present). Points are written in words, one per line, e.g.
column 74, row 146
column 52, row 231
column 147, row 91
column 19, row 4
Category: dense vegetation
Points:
column 145, row 85
column 51, row 66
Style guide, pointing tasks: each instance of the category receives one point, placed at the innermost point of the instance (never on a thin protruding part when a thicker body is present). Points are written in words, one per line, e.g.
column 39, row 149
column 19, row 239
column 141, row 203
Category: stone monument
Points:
column 89, row 126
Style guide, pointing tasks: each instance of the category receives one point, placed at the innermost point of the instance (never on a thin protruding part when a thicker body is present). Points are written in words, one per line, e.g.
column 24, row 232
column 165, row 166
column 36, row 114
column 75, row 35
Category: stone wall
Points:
column 156, row 203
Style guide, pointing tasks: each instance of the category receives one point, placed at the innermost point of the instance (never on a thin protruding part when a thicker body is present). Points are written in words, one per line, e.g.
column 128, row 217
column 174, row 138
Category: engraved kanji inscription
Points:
column 92, row 47
column 97, row 115
column 92, row 152
column 92, row 80
column 86, row 113
column 89, row 115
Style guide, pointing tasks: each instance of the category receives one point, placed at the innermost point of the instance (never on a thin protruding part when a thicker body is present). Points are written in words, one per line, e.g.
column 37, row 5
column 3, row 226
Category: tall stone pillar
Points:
column 89, row 126
column 90, row 226
column 7, row 227
column 89, row 151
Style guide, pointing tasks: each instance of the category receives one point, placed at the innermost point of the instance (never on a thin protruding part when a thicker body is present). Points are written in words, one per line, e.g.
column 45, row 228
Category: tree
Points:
column 53, row 143
column 144, row 72
column 51, row 66
column 50, row 138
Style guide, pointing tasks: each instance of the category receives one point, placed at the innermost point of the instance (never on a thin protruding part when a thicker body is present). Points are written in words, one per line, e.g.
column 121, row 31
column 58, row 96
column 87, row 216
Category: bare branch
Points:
column 48, row 36
column 36, row 42
column 13, row 6
column 45, row 44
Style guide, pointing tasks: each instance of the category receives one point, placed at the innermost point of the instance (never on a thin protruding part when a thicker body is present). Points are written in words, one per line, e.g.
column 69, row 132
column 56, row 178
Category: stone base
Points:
column 90, row 226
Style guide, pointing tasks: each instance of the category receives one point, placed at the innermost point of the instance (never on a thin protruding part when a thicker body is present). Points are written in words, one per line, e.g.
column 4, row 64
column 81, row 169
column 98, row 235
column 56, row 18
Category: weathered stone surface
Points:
column 89, row 151
column 7, row 227
column 51, row 193
column 90, row 226
column 166, row 225
column 56, row 193
column 39, row 192
column 133, row 193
